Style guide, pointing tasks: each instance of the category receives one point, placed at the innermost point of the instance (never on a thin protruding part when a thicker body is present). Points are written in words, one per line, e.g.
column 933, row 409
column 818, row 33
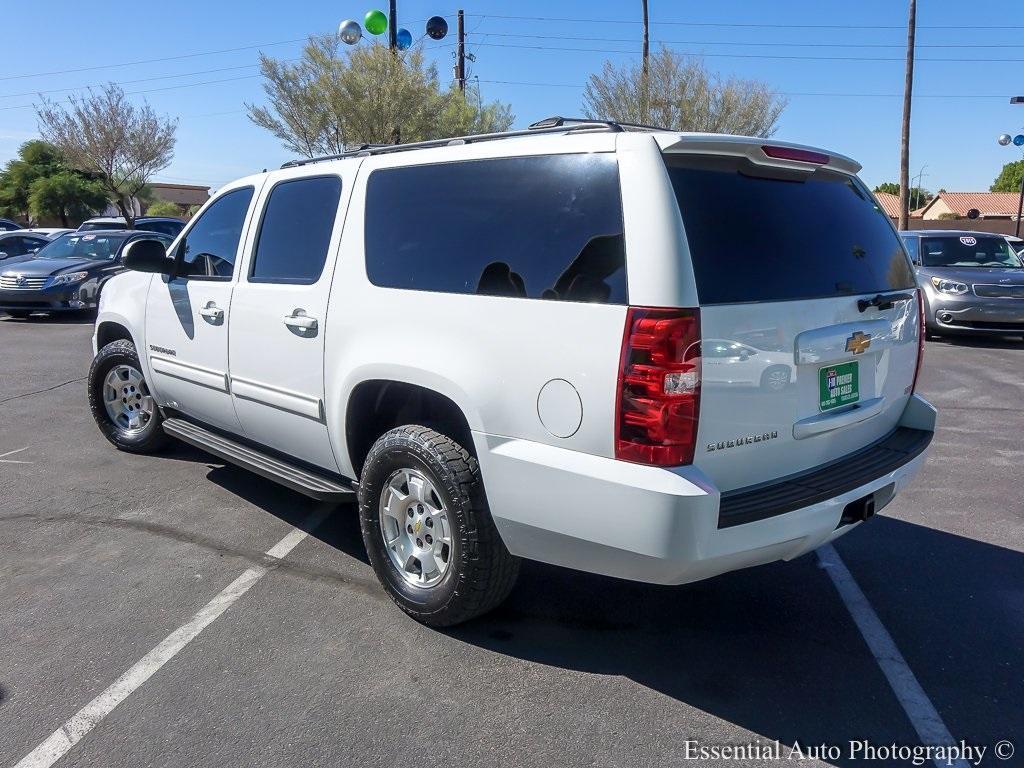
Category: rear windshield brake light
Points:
column 800, row 155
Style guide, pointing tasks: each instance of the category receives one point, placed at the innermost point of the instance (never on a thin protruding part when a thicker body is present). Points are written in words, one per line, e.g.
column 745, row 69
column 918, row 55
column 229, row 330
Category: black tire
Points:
column 151, row 438
column 18, row 314
column 480, row 570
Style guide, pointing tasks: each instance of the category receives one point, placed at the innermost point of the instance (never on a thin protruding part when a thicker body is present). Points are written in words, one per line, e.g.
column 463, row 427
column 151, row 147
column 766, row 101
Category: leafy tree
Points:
column 67, row 195
column 102, row 133
column 919, row 196
column 1008, row 179
column 163, row 208
column 330, row 101
column 39, row 184
column 680, row 93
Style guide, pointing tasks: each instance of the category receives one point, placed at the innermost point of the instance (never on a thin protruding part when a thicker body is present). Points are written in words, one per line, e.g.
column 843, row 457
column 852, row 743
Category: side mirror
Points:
column 3, row 254
column 148, row 256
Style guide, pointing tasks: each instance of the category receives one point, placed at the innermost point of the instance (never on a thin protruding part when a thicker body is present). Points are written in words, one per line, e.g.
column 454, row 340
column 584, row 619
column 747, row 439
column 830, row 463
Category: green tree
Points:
column 678, row 92
column 329, row 101
column 163, row 208
column 1008, row 179
column 66, row 195
column 120, row 144
column 38, row 184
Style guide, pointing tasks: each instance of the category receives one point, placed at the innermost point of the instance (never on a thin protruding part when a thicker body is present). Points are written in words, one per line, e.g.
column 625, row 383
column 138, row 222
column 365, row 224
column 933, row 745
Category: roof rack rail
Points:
column 548, row 125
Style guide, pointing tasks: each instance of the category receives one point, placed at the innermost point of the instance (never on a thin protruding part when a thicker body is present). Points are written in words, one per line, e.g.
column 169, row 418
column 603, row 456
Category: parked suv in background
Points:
column 165, row 225
column 495, row 343
column 973, row 282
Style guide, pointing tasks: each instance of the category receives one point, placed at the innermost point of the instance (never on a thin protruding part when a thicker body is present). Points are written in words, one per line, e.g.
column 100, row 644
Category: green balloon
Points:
column 376, row 22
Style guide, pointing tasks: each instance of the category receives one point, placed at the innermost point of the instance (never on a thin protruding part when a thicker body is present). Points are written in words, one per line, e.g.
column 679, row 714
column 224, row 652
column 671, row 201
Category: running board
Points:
column 305, row 482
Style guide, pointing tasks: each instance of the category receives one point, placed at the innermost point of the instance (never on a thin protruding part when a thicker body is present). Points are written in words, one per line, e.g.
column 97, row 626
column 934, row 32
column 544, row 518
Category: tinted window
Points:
column 527, row 227
column 171, row 228
column 760, row 235
column 967, row 251
column 296, row 231
column 210, row 246
column 913, row 247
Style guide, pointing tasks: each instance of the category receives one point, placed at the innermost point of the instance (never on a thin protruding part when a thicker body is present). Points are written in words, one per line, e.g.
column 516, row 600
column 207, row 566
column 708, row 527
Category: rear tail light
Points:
column 920, row 338
column 658, row 399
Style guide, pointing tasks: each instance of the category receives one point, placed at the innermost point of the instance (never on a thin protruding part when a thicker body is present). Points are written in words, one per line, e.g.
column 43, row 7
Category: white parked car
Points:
column 495, row 343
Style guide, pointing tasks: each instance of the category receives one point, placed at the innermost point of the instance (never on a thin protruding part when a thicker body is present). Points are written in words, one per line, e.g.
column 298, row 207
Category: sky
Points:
column 839, row 63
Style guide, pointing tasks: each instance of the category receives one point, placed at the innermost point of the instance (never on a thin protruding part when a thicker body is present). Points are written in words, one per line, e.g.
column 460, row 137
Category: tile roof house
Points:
column 890, row 204
column 183, row 195
column 990, row 205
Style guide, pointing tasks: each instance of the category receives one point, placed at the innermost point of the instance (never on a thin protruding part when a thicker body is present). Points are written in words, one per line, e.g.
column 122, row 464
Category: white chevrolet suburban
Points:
column 640, row 353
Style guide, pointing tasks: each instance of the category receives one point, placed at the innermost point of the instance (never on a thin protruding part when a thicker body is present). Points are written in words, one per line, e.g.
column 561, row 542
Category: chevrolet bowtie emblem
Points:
column 858, row 342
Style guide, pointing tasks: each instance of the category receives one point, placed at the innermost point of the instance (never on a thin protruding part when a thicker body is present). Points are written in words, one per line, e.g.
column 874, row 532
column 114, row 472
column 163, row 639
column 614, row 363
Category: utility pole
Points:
column 908, row 90
column 645, row 96
column 460, row 54
column 393, row 26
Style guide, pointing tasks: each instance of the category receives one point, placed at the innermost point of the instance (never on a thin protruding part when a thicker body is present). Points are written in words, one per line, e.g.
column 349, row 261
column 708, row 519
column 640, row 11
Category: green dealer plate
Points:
column 838, row 385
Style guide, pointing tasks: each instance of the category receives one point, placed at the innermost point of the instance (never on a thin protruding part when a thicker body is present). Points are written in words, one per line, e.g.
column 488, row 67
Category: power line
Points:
column 745, row 43
column 754, row 55
column 746, row 25
column 152, row 61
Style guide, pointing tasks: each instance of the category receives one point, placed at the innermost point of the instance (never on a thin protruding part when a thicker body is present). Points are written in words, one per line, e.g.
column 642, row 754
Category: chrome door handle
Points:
column 212, row 311
column 296, row 320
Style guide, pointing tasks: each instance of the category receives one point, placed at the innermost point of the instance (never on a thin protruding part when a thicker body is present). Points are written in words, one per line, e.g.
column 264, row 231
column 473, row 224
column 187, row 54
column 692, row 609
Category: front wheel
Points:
column 121, row 402
column 427, row 528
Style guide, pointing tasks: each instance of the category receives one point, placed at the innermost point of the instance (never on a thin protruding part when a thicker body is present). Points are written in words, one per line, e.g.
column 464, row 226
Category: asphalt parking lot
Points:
column 104, row 555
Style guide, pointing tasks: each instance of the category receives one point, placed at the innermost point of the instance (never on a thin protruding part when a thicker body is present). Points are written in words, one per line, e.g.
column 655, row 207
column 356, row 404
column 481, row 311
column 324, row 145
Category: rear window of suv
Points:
column 757, row 235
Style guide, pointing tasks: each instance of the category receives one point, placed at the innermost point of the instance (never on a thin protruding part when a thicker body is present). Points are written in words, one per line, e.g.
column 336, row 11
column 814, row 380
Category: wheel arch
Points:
column 376, row 405
column 109, row 330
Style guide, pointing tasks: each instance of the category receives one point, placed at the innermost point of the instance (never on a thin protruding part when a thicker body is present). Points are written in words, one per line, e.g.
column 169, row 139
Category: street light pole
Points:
column 1020, row 200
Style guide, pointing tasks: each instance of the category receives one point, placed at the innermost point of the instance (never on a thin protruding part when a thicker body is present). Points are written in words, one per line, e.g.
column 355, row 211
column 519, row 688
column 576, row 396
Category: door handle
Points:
column 212, row 312
column 300, row 321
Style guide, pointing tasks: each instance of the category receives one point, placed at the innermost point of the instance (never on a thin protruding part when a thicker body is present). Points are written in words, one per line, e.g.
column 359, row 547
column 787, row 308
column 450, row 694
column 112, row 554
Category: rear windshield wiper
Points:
column 887, row 301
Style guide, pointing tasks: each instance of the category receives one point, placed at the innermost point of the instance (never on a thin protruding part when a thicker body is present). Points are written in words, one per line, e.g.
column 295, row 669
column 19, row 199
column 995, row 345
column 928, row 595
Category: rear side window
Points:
column 547, row 227
column 296, row 231
column 760, row 236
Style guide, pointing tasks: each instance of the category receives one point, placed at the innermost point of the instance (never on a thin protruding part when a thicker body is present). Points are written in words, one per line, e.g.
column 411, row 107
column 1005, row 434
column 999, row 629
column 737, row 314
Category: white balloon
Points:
column 1004, row 139
column 350, row 32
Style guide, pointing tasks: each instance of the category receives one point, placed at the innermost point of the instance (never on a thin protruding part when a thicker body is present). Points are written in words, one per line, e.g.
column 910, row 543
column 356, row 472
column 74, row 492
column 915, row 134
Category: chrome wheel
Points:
column 778, row 379
column 127, row 400
column 414, row 523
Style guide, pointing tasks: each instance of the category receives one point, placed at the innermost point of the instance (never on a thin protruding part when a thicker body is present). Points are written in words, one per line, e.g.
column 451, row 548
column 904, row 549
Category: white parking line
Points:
column 915, row 702
column 5, row 460
column 74, row 730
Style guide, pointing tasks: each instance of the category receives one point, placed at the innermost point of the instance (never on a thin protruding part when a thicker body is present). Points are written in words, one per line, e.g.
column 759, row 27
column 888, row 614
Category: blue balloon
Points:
column 403, row 38
column 1018, row 140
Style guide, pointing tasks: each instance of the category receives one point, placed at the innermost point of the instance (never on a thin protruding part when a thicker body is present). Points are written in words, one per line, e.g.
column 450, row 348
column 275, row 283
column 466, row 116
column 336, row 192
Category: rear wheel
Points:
column 19, row 314
column 121, row 402
column 427, row 528
column 775, row 379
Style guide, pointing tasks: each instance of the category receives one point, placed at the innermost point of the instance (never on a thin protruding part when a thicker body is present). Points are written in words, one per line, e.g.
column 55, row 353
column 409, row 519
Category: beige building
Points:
column 185, row 196
column 990, row 205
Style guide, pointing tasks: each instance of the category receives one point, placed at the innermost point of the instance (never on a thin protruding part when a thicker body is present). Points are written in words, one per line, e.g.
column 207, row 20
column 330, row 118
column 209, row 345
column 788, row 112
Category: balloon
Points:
column 403, row 39
column 1004, row 139
column 1018, row 140
column 376, row 22
column 349, row 31
column 437, row 27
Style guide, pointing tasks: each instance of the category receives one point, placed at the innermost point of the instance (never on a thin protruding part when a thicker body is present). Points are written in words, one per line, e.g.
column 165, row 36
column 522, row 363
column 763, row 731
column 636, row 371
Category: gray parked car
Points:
column 972, row 282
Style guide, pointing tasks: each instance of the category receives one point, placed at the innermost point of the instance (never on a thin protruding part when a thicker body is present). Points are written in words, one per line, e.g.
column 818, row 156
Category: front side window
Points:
column 296, row 231
column 209, row 248
column 546, row 227
column 967, row 251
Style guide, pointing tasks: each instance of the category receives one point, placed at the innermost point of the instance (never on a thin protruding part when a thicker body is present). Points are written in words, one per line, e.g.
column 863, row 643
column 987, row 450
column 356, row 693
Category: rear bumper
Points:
column 655, row 525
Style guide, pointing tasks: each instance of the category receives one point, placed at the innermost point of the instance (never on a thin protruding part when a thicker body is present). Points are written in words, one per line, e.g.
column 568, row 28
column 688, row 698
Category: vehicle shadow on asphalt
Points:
column 773, row 650
column 69, row 318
